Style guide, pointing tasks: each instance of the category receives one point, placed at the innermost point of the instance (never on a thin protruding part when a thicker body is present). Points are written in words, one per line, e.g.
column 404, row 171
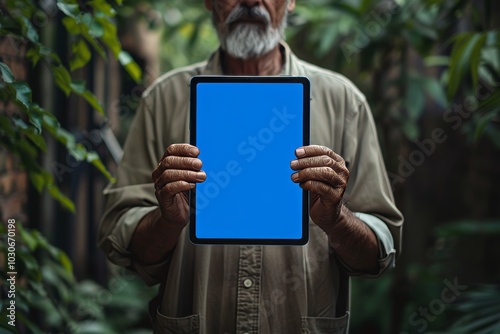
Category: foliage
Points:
column 478, row 312
column 45, row 286
column 46, row 289
column 187, row 32
column 91, row 27
column 474, row 62
column 36, row 285
column 373, row 43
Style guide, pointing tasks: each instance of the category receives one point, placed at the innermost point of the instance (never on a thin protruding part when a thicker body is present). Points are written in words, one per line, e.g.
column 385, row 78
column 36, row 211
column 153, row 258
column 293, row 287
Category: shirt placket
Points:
column 247, row 304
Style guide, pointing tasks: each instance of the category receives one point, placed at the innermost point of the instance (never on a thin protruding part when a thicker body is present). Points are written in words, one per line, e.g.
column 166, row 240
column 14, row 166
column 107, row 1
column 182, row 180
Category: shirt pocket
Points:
column 171, row 325
column 323, row 325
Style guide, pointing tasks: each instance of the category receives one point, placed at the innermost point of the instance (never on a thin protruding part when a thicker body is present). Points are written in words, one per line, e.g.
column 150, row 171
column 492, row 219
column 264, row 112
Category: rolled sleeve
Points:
column 387, row 251
column 118, row 243
column 121, row 235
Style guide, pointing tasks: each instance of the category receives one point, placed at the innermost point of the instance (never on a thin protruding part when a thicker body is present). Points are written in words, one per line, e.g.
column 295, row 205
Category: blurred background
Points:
column 71, row 76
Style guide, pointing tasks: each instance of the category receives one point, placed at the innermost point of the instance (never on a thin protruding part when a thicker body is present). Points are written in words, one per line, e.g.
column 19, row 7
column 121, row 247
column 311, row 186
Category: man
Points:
column 354, row 227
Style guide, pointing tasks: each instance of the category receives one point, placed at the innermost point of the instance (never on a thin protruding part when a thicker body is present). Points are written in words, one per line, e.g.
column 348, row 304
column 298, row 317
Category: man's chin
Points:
column 248, row 53
column 246, row 41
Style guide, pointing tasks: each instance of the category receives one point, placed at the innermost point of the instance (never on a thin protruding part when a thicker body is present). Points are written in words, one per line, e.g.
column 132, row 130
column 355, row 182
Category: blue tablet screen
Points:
column 247, row 134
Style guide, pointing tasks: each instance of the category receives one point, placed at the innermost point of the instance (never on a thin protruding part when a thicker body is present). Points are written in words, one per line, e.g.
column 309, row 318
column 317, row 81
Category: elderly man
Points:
column 354, row 225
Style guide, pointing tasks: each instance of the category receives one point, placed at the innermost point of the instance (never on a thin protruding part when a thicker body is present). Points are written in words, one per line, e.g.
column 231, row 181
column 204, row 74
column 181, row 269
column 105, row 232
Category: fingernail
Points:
column 200, row 176
column 294, row 163
column 295, row 176
column 196, row 164
column 300, row 152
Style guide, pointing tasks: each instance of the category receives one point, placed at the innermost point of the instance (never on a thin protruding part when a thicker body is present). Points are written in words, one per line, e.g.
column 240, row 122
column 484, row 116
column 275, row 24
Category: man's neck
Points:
column 268, row 64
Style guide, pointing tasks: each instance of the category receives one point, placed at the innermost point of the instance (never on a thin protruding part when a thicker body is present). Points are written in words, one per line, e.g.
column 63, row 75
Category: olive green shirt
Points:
column 250, row 289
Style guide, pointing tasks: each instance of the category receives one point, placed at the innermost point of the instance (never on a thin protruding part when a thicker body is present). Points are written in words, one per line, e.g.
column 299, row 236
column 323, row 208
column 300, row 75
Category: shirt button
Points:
column 247, row 283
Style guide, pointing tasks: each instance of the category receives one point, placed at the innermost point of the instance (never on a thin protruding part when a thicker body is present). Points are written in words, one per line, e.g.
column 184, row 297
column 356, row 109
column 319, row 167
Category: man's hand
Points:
column 324, row 174
column 178, row 171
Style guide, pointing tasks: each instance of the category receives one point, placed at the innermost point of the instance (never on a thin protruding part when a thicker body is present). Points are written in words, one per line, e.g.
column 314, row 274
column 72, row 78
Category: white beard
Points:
column 248, row 40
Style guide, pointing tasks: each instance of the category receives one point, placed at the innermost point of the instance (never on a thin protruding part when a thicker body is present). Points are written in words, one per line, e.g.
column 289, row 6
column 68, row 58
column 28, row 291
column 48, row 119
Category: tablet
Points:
column 247, row 130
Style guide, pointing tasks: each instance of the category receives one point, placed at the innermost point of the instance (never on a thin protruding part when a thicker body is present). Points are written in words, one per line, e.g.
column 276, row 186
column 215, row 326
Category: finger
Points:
column 317, row 150
column 176, row 162
column 173, row 175
column 183, row 150
column 321, row 174
column 330, row 197
column 320, row 188
column 317, row 161
column 167, row 193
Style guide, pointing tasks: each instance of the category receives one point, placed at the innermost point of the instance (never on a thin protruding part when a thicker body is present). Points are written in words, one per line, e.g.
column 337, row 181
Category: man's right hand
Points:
column 178, row 171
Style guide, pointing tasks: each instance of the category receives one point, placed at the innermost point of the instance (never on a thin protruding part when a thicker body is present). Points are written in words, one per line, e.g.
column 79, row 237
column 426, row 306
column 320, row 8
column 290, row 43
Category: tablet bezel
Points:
column 306, row 96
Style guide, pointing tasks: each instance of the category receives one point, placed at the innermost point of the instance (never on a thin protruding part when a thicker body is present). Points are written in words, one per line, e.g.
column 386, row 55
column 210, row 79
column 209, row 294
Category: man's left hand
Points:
column 324, row 173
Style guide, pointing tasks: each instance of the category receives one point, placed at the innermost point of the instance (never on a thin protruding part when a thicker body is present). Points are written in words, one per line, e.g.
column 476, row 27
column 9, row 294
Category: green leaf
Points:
column 461, row 55
column 43, row 179
column 456, row 68
column 78, row 86
column 436, row 90
column 109, row 36
column 81, row 55
column 92, row 41
column 411, row 130
column 130, row 66
column 65, row 262
column 56, row 193
column 6, row 73
column 483, row 122
column 37, row 180
column 69, row 9
column 29, row 261
column 93, row 101
column 437, row 61
column 29, row 30
column 62, row 78
column 35, row 117
column 22, row 93
column 71, row 25
column 64, row 137
column 328, row 38
column 102, row 6
column 475, row 59
column 78, row 151
column 94, row 159
column 19, row 123
column 414, row 98
column 28, row 239
column 38, row 140
column 96, row 30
